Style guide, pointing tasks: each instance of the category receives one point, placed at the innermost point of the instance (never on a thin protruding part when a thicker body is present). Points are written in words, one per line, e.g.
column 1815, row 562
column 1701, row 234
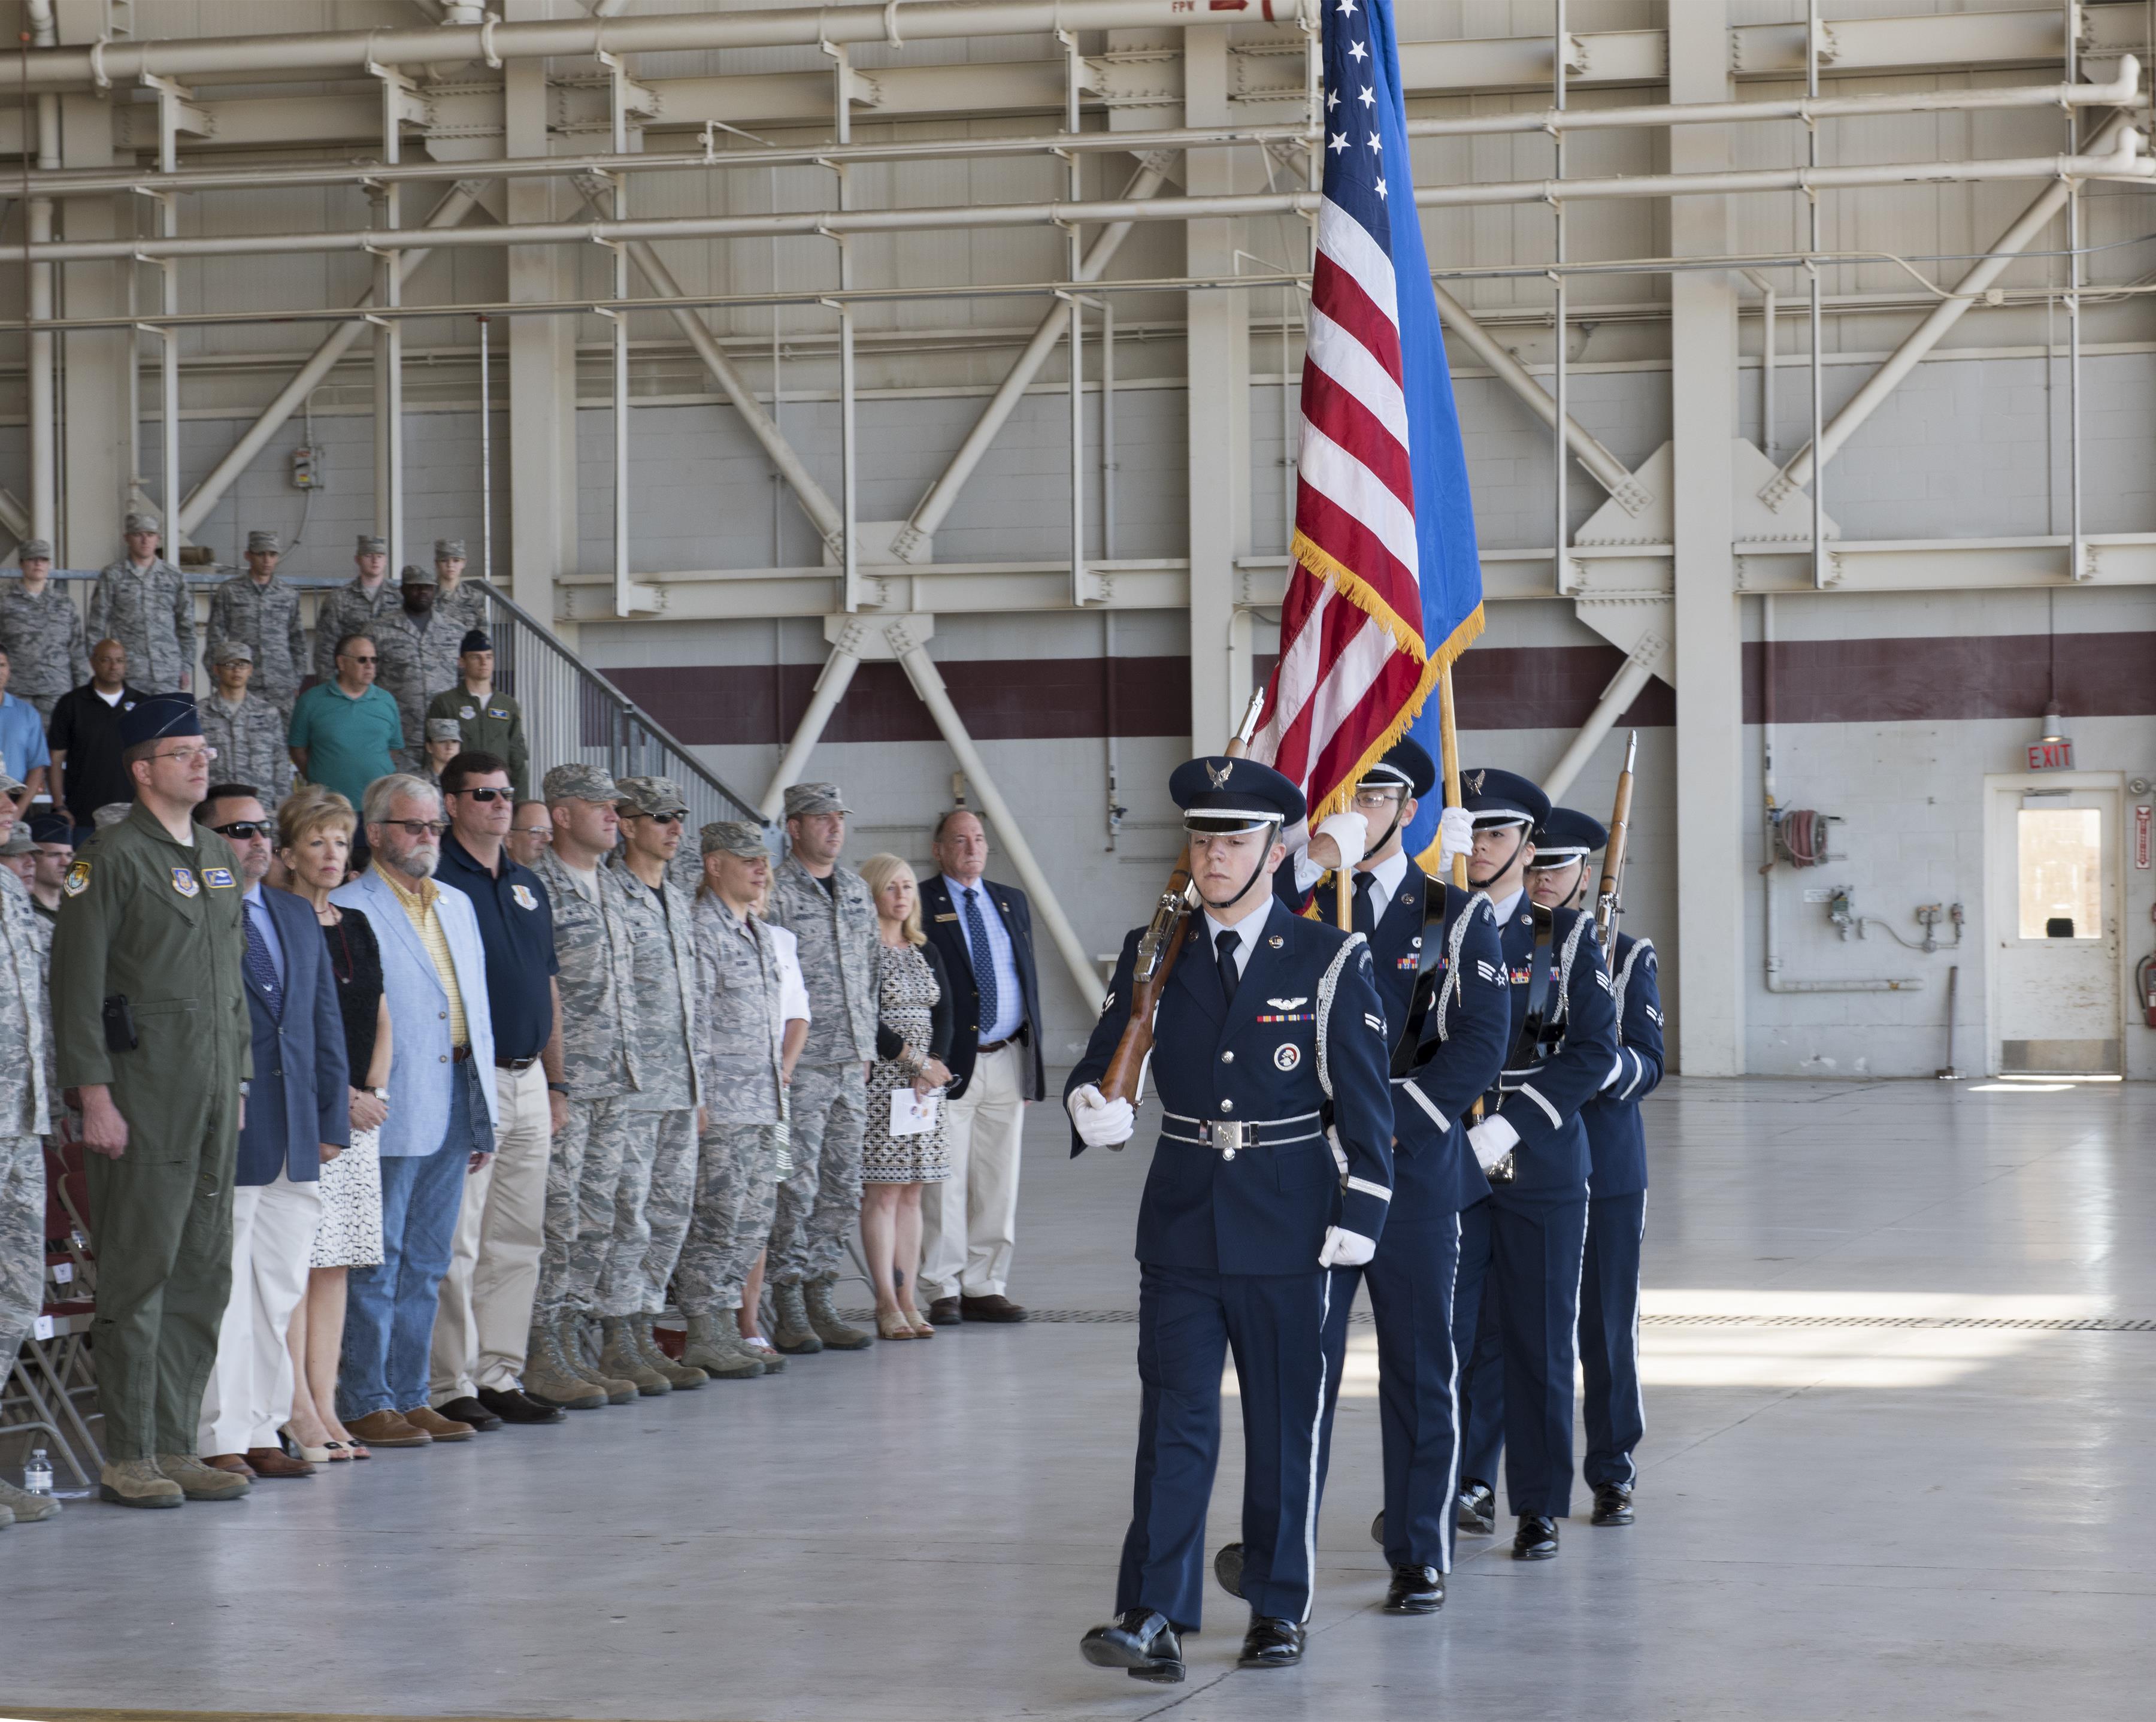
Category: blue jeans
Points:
column 389, row 1309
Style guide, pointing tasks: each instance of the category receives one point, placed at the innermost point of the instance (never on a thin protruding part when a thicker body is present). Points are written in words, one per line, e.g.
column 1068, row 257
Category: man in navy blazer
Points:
column 983, row 932
column 297, row 1115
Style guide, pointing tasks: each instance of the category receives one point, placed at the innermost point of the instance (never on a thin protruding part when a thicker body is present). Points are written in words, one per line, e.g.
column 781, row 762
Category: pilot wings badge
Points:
column 1219, row 778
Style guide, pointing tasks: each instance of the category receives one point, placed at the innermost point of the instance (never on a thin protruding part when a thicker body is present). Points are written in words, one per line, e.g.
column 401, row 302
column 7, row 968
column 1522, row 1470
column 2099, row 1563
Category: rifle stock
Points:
column 1608, row 894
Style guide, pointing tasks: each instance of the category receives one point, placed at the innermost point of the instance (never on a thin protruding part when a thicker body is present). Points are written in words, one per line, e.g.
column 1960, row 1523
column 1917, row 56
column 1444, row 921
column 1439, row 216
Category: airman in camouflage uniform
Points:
column 247, row 730
column 739, row 1036
column 659, row 1176
column 262, row 612
column 455, row 601
column 356, row 608
column 25, row 1106
column 599, row 1065
column 419, row 651
column 820, row 1198
column 41, row 631
column 141, row 601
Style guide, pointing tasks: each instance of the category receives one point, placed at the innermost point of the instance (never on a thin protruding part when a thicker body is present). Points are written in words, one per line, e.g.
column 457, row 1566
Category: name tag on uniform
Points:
column 496, row 712
column 525, row 900
column 218, row 878
column 183, row 882
column 946, row 917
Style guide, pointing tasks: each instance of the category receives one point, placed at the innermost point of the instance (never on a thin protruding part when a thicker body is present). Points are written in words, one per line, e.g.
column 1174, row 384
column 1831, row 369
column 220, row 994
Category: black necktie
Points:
column 1224, row 946
column 1366, row 903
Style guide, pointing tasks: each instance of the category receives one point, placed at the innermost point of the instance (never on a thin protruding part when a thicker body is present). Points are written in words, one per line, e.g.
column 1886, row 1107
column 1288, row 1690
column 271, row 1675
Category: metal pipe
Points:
column 485, row 461
column 40, row 384
column 1632, row 676
column 1927, row 334
column 2125, row 164
column 830, row 688
column 1560, row 413
column 921, row 670
column 1769, row 351
column 928, row 514
column 2076, row 555
column 1819, row 359
column 457, row 203
column 1107, row 427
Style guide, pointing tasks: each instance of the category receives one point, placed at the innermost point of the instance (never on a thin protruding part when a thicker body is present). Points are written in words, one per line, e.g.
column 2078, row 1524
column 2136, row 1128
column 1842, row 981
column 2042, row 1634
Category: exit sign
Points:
column 2051, row 755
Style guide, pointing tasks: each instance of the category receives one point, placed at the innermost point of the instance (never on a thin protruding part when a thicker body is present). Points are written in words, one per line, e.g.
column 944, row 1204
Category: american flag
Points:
column 1386, row 587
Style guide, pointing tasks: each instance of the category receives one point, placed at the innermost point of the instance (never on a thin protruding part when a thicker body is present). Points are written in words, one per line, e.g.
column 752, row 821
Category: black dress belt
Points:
column 997, row 1046
column 516, row 1064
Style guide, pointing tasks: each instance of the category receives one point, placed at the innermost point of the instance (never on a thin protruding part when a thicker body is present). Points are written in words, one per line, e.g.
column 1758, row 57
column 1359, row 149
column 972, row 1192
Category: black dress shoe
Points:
column 1416, row 1589
column 1227, row 1569
column 943, row 1313
column 467, row 1410
column 1478, row 1509
column 994, row 1307
column 1536, row 1539
column 1271, row 1642
column 1140, row 1640
column 1613, row 1504
column 512, row 1406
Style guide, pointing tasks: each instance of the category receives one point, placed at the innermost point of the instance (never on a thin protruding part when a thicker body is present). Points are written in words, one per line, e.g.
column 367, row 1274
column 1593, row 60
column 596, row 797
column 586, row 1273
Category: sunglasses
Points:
column 486, row 794
column 661, row 819
column 418, row 828
column 354, row 658
column 244, row 831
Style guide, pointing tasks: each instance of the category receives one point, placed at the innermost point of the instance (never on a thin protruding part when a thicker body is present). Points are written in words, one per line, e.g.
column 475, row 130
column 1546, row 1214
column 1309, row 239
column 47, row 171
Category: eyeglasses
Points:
column 661, row 819
column 244, row 830
column 416, row 828
column 486, row 794
column 188, row 756
column 545, row 834
column 1376, row 800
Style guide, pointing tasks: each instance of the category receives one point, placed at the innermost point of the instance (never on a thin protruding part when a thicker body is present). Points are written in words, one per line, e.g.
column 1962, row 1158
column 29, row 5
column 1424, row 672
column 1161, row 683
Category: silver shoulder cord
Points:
column 1625, row 975
column 1564, row 971
column 1476, row 903
column 1326, row 988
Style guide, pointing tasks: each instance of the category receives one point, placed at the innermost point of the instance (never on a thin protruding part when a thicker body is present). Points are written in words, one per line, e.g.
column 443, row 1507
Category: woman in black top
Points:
column 314, row 830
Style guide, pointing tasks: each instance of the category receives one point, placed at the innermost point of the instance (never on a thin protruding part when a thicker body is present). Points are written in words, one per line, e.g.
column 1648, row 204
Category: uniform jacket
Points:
column 25, row 1017
column 494, row 725
column 837, row 941
column 148, row 611
column 157, row 923
column 1468, row 1032
column 738, row 1031
column 301, row 1096
column 1264, row 1212
column 418, row 660
column 421, row 1068
column 944, row 922
column 1542, row 1101
column 250, row 739
column 466, row 606
column 1615, row 1141
column 662, row 995
column 349, row 610
column 44, row 640
column 591, row 942
column 267, row 619
column 1395, row 942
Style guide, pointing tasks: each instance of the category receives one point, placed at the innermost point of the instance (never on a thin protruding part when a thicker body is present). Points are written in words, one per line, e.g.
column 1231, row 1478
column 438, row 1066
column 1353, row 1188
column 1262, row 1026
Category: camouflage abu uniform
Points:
column 598, row 1063
column 659, row 1175
column 41, row 635
column 739, row 1053
column 418, row 660
column 462, row 604
column 25, row 1108
column 266, row 619
column 821, row 1197
column 149, row 611
column 350, row 609
column 250, row 739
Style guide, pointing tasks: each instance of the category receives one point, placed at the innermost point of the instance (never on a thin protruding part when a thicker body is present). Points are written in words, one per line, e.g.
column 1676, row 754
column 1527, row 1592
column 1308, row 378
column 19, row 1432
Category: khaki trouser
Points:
column 249, row 1396
column 485, row 1312
column 969, row 1223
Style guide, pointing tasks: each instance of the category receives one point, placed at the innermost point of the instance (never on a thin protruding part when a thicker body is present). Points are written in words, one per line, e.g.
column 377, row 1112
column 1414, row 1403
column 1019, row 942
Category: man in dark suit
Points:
column 297, row 1116
column 984, row 933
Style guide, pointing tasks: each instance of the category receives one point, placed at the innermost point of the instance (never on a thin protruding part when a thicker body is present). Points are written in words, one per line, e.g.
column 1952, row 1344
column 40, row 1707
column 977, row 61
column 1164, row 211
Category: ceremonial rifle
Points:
column 1613, row 856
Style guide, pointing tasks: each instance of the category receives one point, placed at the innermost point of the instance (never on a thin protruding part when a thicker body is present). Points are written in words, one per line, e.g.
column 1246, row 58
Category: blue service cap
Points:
column 52, row 828
column 1566, row 836
column 1406, row 764
column 1217, row 793
column 155, row 717
column 1501, row 798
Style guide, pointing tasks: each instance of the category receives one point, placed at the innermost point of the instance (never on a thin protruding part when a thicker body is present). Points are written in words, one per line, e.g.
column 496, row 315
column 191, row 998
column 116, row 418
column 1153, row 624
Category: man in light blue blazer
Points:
column 441, row 1121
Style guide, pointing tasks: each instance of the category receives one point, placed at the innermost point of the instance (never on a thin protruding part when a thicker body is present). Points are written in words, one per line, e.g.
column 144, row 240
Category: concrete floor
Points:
column 1882, row 1478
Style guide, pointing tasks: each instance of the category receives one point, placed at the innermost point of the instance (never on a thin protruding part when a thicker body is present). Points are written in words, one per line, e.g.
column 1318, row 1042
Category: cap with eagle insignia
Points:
column 1564, row 836
column 1498, row 798
column 1220, row 794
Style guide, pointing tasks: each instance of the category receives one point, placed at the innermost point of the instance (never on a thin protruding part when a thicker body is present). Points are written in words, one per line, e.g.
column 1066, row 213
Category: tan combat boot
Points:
column 792, row 1334
column 618, row 1356
column 138, row 1483
column 199, row 1482
column 549, row 1378
column 24, row 1508
column 715, row 1349
column 824, row 1318
column 617, row 1390
column 684, row 1375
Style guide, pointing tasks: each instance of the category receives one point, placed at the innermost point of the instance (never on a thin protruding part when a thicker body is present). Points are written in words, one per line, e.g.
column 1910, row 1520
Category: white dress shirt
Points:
column 1010, row 992
column 1246, row 931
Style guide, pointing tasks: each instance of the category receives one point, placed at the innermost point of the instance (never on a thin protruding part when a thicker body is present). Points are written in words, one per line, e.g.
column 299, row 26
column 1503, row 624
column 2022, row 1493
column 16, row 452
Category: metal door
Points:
column 2051, row 915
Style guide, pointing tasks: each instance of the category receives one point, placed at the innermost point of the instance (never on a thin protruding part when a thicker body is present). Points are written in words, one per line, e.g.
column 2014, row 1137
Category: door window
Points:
column 2060, row 870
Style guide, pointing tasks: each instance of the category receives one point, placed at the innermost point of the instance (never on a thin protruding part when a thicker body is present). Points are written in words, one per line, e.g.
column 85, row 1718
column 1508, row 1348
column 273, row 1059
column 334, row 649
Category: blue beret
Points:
column 1408, row 763
column 1501, row 798
column 1219, row 794
column 155, row 716
column 1566, row 836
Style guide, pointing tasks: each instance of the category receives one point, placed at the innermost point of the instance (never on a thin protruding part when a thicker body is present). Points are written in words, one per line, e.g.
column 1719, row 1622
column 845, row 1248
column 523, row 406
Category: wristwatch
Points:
column 557, row 1088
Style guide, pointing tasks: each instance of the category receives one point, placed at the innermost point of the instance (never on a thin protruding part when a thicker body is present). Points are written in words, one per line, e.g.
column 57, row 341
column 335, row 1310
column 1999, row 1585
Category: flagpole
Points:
column 1448, row 747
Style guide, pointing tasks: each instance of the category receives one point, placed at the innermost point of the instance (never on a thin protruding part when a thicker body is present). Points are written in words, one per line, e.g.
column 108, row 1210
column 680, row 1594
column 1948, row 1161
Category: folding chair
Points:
column 53, row 1370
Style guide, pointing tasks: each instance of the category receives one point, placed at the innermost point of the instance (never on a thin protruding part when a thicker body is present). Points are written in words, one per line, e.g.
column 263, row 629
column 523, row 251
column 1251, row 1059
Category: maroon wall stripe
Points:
column 1931, row 678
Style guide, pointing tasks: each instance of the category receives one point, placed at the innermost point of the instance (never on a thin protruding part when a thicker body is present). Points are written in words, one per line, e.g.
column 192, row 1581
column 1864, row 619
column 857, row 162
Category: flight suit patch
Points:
column 1286, row 1056
column 218, row 878
column 183, row 882
column 493, row 711
column 78, row 879
column 466, row 712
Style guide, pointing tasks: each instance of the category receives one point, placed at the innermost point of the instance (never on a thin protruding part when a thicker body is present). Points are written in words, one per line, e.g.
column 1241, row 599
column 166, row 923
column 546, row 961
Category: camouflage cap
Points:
column 577, row 783
column 446, row 549
column 369, row 544
column 111, row 815
column 265, row 544
column 142, row 523
column 9, row 783
column 444, row 729
column 648, row 795
column 19, row 842
column 33, row 549
column 741, row 837
column 233, row 651
column 814, row 798
column 414, row 575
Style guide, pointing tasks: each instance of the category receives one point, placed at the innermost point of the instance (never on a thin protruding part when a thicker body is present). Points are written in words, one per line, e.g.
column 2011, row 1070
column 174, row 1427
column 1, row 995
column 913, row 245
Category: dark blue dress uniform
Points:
column 1615, row 1415
column 1245, row 1179
column 1516, row 1308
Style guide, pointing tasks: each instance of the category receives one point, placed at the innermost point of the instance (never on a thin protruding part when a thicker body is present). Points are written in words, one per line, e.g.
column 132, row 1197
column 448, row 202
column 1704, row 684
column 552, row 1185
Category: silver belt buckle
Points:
column 1229, row 1136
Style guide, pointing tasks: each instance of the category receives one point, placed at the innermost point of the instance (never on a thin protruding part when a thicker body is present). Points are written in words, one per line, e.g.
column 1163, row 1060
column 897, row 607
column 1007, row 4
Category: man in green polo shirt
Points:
column 342, row 730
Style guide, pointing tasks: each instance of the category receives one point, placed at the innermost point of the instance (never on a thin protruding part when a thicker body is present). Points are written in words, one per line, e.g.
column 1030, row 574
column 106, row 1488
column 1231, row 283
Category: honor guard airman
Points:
column 1614, row 1411
column 1274, row 1165
column 1518, row 1301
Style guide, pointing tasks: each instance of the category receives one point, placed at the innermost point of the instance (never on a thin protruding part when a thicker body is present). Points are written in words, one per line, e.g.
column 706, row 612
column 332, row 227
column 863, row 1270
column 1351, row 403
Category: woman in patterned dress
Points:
column 913, row 1032
column 314, row 830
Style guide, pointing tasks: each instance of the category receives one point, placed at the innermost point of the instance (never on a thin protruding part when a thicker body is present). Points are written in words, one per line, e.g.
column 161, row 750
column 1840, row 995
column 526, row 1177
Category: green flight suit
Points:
column 494, row 725
column 157, row 922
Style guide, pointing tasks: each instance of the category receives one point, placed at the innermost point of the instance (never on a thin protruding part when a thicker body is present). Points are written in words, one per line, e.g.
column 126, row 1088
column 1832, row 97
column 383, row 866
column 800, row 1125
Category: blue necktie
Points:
column 984, row 962
column 259, row 968
column 1365, row 915
column 1224, row 948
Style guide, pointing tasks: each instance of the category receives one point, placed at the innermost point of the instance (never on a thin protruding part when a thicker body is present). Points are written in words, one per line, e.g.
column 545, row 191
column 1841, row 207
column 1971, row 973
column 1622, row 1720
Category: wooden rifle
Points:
column 1607, row 895
column 1159, row 947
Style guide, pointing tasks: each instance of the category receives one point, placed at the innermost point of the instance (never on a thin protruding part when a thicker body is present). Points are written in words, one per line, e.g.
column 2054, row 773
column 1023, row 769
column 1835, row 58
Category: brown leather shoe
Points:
column 943, row 1313
column 275, row 1462
column 995, row 1307
column 233, row 1462
column 432, row 1422
column 388, row 1429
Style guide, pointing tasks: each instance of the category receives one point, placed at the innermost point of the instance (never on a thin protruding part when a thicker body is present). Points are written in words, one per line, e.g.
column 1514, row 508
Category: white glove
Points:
column 1492, row 1139
column 1456, row 836
column 1345, row 1249
column 1101, row 1122
column 1350, row 833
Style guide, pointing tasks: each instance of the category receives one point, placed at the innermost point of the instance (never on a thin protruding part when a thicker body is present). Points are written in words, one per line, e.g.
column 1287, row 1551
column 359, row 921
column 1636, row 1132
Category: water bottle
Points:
column 38, row 1473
